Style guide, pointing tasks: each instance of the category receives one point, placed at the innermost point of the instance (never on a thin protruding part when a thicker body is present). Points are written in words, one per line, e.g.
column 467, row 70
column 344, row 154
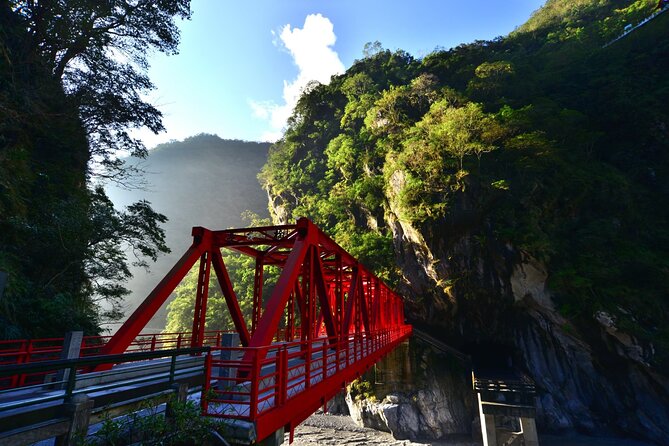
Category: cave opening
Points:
column 491, row 359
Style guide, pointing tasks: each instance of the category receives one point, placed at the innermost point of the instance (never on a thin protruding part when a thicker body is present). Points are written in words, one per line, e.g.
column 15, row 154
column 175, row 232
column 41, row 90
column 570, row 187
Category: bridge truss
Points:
column 325, row 322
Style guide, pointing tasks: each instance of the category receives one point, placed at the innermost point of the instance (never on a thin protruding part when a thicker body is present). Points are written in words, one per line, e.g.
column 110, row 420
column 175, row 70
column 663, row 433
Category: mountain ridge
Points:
column 203, row 180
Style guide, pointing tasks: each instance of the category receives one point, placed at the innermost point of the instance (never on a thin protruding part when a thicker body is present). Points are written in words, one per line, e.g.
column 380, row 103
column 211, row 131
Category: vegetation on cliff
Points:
column 72, row 75
column 542, row 140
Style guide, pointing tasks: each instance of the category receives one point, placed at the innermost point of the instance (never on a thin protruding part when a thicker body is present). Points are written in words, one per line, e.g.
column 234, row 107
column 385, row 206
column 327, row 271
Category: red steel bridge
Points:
column 324, row 323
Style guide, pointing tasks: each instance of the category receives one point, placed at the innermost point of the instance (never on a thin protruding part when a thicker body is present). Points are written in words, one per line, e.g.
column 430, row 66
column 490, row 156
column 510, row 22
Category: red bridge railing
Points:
column 25, row 351
column 287, row 382
column 325, row 322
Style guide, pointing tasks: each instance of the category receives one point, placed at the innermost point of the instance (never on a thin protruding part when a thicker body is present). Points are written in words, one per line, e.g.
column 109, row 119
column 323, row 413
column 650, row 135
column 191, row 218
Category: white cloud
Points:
column 311, row 50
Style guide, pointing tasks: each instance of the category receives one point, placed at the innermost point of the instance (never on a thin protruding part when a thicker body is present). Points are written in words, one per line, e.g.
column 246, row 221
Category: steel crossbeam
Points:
column 327, row 310
column 329, row 290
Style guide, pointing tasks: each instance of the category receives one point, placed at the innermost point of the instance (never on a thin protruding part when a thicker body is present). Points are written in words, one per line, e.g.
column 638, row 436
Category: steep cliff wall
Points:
column 593, row 379
column 512, row 191
column 418, row 393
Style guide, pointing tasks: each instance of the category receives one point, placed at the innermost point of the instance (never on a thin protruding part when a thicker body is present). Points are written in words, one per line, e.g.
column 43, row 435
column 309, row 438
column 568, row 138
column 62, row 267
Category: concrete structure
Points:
column 507, row 411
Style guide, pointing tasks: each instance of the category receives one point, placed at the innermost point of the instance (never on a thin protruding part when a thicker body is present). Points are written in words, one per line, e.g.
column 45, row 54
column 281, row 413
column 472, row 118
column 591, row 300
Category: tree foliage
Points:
column 71, row 83
column 542, row 139
column 98, row 49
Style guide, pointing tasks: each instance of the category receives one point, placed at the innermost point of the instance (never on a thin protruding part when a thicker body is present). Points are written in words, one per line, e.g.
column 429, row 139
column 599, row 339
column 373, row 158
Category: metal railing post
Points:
column 355, row 347
column 324, row 357
column 282, row 375
column 307, row 365
column 71, row 381
column 204, row 398
column 255, row 371
column 173, row 366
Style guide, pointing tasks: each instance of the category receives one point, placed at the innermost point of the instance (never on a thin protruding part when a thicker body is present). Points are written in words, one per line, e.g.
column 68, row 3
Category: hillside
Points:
column 512, row 190
column 201, row 181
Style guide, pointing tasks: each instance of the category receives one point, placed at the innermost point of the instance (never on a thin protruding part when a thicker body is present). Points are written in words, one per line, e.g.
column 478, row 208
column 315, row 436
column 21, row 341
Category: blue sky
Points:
column 242, row 62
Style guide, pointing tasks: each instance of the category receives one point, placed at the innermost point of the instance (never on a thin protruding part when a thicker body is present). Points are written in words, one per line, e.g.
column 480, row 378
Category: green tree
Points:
column 490, row 79
column 458, row 131
column 71, row 83
column 371, row 49
column 98, row 50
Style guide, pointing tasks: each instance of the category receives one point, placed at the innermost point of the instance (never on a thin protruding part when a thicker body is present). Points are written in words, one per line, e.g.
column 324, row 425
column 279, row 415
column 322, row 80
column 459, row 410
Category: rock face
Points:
column 483, row 296
column 428, row 397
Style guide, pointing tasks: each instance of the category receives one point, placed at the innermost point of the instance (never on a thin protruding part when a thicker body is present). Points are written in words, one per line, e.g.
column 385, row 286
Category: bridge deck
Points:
column 336, row 317
column 291, row 380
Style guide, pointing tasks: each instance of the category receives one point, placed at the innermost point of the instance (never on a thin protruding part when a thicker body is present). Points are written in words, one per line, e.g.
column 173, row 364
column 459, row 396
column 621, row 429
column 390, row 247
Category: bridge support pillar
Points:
column 515, row 404
column 276, row 439
column 529, row 428
column 228, row 340
column 71, row 350
column 80, row 413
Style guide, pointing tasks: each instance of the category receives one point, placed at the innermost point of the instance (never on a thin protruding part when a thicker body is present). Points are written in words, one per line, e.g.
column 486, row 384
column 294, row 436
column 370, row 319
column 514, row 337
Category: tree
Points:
column 98, row 50
column 371, row 49
column 460, row 131
column 490, row 79
column 71, row 83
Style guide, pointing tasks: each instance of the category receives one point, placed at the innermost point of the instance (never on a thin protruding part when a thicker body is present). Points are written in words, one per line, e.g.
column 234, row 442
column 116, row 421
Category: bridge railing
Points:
column 65, row 408
column 279, row 377
column 75, row 366
column 28, row 351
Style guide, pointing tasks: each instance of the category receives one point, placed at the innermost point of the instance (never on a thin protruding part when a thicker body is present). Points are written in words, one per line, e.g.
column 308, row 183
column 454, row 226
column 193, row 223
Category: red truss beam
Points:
column 321, row 288
column 331, row 316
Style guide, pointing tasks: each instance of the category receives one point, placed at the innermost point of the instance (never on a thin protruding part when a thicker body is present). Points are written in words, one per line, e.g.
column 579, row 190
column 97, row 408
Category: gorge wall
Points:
column 511, row 191
column 594, row 380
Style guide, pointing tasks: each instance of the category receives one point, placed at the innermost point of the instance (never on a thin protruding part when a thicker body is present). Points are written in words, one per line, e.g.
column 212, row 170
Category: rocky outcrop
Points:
column 424, row 403
column 592, row 379
column 481, row 294
column 278, row 208
column 594, row 384
column 426, row 414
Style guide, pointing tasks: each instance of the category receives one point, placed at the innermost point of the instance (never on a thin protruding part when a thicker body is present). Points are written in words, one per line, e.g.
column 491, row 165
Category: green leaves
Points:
column 456, row 131
column 99, row 52
column 241, row 270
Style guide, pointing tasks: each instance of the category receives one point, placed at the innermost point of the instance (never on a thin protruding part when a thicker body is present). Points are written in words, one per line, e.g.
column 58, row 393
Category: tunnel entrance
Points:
column 492, row 359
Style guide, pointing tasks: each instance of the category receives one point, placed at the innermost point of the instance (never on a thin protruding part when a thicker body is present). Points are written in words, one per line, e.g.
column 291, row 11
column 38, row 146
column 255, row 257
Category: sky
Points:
column 242, row 63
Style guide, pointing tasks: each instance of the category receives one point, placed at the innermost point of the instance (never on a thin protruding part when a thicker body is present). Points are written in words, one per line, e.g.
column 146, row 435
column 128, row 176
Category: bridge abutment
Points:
column 276, row 439
column 79, row 408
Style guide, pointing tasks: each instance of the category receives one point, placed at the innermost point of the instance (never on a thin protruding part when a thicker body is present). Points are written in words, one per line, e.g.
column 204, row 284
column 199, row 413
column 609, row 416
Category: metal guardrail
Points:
column 24, row 351
column 46, row 410
column 73, row 365
column 638, row 25
column 439, row 345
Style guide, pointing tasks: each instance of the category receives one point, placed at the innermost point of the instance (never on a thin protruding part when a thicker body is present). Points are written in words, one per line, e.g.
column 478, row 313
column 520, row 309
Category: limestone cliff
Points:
column 592, row 378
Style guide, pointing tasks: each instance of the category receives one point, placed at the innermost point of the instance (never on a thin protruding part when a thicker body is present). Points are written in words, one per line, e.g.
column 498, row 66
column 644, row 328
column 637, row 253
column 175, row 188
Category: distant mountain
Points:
column 201, row 181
